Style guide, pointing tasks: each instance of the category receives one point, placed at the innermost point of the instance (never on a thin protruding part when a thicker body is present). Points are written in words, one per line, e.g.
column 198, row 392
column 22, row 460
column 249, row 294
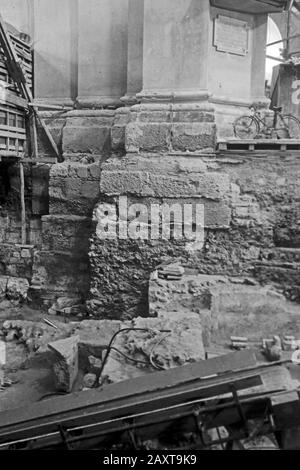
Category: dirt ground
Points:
column 33, row 380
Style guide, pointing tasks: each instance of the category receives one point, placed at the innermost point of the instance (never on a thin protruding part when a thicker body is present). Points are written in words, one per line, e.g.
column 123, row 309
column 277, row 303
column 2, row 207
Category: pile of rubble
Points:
column 68, row 306
column 14, row 289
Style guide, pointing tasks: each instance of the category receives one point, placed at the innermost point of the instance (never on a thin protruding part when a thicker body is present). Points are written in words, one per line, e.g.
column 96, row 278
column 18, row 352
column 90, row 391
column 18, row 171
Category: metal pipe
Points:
column 283, row 40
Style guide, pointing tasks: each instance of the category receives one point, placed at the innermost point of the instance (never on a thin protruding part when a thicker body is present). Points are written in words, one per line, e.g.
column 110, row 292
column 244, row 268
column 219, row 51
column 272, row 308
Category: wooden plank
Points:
column 260, row 141
column 7, row 154
column 33, row 134
column 23, row 207
column 13, row 421
column 50, row 106
column 19, row 41
column 46, row 160
column 12, row 135
column 13, row 62
column 10, row 108
column 116, row 424
column 12, row 99
column 12, row 129
column 157, row 382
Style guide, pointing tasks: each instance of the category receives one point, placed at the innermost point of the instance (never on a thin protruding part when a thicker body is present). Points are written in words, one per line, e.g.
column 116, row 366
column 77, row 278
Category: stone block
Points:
column 181, row 344
column 94, row 171
column 73, row 196
column 149, row 137
column 119, row 182
column 65, row 364
column 193, row 116
column 60, row 273
column 210, row 185
column 216, row 215
column 118, row 138
column 70, row 233
column 206, row 185
column 25, row 253
column 91, row 139
column 193, row 136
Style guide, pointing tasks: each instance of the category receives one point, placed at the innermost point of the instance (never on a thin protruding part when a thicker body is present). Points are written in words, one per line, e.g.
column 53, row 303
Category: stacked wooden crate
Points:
column 12, row 105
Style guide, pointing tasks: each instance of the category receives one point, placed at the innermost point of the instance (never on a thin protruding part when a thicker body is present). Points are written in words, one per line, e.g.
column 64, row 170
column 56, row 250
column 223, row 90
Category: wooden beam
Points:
column 45, row 160
column 50, row 106
column 23, row 207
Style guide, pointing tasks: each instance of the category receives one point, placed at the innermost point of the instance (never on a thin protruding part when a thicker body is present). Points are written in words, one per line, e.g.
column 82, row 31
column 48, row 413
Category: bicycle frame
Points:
column 262, row 125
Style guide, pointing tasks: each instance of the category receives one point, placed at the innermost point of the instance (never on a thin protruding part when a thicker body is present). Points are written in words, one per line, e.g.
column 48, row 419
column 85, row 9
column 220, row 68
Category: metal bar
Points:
column 283, row 40
column 275, row 58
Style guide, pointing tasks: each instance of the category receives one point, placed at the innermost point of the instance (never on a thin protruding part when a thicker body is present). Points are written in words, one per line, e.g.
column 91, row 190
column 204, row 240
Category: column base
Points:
column 98, row 102
column 172, row 121
column 54, row 102
column 228, row 110
column 130, row 99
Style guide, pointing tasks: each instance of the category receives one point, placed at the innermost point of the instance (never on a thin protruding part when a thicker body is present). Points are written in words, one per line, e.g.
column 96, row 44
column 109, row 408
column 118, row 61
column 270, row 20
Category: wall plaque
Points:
column 231, row 35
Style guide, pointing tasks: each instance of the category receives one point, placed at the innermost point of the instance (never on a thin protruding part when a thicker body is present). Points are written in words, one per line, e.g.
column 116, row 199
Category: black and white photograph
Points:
column 149, row 229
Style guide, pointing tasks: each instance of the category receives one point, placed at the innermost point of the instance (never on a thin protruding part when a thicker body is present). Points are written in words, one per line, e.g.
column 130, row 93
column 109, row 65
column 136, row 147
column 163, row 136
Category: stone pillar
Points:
column 54, row 50
column 175, row 48
column 259, row 59
column 174, row 114
column 135, row 50
column 102, row 71
column 236, row 79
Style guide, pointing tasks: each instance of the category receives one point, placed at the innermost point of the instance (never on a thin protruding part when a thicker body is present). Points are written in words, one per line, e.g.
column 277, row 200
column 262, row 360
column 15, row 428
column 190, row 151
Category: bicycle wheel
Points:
column 288, row 127
column 246, row 127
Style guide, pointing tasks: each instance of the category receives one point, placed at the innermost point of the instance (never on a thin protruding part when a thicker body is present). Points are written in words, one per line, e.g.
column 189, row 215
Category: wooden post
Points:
column 23, row 208
column 34, row 136
column 288, row 42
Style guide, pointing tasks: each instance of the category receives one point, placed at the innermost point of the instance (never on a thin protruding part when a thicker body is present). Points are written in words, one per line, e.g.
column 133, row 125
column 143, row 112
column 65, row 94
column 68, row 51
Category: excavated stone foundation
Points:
column 250, row 213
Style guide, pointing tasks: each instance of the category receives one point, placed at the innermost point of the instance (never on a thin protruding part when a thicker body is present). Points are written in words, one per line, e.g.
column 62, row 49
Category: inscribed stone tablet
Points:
column 231, row 35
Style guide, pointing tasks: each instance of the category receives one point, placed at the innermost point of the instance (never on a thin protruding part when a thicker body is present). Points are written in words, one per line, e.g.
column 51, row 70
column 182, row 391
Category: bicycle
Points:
column 284, row 126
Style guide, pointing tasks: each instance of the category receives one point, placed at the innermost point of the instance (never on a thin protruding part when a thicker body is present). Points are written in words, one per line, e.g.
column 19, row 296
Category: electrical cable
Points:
column 110, row 347
column 132, row 359
column 151, row 358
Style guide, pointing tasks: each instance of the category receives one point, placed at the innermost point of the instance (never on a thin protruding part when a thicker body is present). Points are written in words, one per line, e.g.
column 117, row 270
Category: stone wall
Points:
column 61, row 265
column 251, row 224
column 16, row 259
column 251, row 214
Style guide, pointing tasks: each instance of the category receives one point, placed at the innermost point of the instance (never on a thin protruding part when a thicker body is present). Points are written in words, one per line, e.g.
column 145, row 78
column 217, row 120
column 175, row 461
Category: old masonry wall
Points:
column 251, row 215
